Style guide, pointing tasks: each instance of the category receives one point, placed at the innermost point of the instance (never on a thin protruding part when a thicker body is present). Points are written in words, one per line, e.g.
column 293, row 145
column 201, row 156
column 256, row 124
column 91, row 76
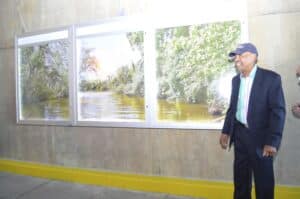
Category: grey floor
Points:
column 25, row 187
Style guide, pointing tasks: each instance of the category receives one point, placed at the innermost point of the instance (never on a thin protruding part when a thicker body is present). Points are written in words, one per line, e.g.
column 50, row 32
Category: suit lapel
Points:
column 254, row 91
column 236, row 88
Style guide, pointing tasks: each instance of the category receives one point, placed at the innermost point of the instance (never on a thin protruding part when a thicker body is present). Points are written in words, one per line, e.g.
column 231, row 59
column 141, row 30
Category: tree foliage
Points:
column 44, row 72
column 191, row 57
column 128, row 80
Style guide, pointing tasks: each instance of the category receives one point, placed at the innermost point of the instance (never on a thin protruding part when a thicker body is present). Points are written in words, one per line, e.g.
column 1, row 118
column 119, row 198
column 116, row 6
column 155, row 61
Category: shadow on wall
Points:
column 296, row 107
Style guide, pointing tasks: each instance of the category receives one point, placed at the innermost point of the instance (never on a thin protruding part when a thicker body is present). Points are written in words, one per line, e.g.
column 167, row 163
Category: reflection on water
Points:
column 182, row 112
column 110, row 106
column 57, row 109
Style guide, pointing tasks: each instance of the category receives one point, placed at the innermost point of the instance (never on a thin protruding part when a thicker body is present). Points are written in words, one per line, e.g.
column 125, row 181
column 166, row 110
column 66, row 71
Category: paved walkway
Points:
column 14, row 186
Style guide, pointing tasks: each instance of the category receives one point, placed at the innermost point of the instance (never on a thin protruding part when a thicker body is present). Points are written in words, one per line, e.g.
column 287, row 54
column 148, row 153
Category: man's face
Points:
column 244, row 62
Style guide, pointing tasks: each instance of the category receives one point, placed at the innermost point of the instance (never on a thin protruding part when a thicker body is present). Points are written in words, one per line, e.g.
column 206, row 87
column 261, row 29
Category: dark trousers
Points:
column 248, row 160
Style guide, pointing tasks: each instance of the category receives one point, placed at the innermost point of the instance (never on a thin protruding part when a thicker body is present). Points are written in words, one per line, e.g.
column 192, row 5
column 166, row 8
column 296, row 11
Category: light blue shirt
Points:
column 244, row 96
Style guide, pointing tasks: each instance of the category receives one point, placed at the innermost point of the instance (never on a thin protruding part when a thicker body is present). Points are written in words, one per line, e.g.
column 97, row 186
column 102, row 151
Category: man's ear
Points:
column 298, row 74
column 298, row 71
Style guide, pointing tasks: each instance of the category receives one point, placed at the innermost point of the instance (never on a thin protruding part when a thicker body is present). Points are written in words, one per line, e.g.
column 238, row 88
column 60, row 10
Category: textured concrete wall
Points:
column 273, row 25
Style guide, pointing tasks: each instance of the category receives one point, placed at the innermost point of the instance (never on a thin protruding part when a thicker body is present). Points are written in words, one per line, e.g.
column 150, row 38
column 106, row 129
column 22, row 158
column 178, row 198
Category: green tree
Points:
column 44, row 72
column 128, row 80
column 190, row 58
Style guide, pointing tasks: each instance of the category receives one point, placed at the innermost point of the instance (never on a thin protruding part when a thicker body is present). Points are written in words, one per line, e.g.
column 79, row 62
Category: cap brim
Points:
column 231, row 59
column 232, row 54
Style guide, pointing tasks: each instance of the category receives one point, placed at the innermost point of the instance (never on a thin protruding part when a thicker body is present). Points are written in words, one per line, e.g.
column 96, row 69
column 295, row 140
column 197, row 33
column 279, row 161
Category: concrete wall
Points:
column 274, row 25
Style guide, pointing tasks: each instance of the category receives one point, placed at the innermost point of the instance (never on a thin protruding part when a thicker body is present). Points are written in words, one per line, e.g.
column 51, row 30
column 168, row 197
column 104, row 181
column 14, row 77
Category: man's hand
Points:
column 296, row 110
column 269, row 151
column 224, row 138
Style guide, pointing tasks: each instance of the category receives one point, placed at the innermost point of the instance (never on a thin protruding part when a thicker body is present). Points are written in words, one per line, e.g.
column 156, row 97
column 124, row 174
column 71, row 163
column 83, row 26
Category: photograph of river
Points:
column 111, row 77
column 44, row 86
column 193, row 71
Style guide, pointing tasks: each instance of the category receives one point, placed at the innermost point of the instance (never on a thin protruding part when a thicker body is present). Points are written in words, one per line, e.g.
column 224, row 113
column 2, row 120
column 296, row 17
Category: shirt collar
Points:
column 252, row 73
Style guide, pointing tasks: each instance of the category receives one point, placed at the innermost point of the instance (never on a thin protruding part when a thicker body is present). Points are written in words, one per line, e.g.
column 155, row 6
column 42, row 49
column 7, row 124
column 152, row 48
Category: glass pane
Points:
column 193, row 73
column 43, row 77
column 111, row 77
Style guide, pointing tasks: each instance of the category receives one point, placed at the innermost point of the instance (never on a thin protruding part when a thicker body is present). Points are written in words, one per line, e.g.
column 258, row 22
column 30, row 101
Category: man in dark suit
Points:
column 254, row 123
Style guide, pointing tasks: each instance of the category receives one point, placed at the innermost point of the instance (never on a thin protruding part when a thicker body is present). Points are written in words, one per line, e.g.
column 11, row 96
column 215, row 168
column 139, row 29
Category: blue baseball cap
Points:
column 244, row 47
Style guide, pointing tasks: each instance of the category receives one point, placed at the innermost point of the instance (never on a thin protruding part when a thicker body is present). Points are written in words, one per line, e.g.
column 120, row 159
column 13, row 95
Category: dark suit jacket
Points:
column 266, row 112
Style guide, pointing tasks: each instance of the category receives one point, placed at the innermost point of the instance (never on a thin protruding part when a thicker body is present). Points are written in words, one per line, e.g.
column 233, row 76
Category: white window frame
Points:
column 36, row 38
column 114, row 26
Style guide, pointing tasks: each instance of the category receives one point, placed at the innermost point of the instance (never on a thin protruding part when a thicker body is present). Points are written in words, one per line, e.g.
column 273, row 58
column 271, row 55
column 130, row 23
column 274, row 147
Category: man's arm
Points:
column 225, row 135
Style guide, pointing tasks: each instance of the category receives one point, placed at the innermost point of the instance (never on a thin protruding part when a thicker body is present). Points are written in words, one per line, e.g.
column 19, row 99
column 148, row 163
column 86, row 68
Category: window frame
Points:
column 24, row 40
column 115, row 26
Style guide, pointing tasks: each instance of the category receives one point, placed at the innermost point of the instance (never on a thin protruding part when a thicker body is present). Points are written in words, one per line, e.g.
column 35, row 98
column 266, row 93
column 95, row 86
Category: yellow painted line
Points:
column 175, row 186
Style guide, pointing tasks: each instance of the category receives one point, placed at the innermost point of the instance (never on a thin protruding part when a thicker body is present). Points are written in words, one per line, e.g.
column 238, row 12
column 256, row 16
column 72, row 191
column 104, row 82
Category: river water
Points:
column 108, row 106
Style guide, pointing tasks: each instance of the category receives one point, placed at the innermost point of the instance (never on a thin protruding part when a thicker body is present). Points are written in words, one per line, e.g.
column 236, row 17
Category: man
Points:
column 254, row 123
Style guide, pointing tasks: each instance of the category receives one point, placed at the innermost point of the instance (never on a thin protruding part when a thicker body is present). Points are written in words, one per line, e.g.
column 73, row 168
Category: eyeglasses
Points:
column 244, row 55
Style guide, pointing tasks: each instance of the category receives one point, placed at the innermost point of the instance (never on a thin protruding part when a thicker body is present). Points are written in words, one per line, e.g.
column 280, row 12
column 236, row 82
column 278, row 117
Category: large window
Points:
column 130, row 72
column 111, row 77
column 191, row 66
column 43, row 77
